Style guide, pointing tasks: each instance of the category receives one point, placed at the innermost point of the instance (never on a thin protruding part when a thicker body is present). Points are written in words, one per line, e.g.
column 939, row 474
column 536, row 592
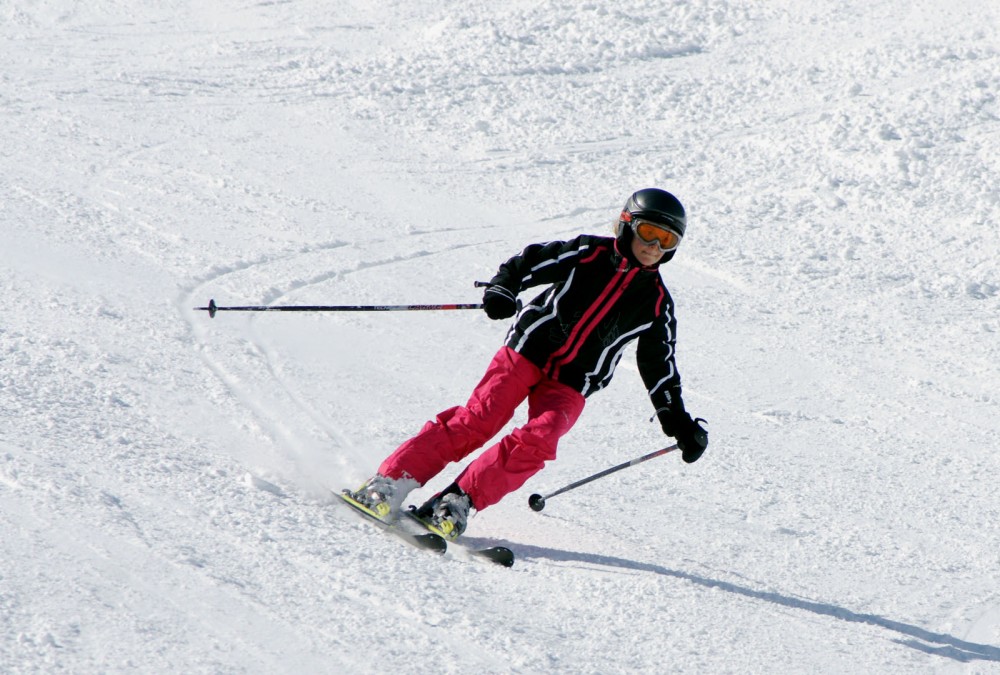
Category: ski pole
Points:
column 537, row 501
column 486, row 284
column 213, row 308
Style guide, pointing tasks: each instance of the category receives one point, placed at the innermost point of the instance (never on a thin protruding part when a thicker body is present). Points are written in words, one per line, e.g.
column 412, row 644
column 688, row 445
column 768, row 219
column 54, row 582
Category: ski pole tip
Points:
column 536, row 502
column 211, row 309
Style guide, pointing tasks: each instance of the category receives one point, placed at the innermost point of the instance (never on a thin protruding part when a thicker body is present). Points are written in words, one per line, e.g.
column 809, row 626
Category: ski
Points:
column 500, row 555
column 427, row 541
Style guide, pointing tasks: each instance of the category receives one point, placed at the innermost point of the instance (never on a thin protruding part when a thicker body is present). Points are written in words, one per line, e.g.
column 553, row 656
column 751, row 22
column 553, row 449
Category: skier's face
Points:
column 646, row 254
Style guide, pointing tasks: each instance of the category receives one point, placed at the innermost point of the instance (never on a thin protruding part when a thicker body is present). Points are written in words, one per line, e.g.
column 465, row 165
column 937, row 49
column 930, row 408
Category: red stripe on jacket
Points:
column 589, row 322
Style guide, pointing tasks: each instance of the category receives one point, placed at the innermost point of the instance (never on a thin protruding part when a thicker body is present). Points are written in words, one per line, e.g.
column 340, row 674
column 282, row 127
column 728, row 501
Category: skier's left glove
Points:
column 692, row 438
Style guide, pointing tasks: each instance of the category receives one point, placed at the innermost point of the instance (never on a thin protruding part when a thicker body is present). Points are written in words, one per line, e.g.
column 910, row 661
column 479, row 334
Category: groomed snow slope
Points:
column 165, row 477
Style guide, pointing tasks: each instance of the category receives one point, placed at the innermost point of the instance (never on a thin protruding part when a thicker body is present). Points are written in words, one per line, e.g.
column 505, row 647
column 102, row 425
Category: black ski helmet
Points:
column 655, row 205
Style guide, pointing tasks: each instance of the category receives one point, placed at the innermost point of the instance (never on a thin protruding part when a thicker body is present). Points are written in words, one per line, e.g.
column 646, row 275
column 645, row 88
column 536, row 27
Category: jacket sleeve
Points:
column 540, row 264
column 655, row 356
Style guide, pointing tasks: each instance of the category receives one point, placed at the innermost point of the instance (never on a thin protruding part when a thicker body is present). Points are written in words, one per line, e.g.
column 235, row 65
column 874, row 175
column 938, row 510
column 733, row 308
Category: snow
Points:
column 165, row 477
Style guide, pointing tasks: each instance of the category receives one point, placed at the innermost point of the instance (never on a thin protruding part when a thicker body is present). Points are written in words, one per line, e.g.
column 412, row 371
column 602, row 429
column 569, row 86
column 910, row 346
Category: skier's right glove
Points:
column 499, row 302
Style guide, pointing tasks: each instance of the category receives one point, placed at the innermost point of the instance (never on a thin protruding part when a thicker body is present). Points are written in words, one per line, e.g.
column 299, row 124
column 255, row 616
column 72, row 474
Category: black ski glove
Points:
column 692, row 438
column 499, row 303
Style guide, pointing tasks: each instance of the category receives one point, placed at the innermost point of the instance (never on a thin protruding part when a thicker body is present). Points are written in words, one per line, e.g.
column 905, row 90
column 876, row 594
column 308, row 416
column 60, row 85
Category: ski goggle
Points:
column 653, row 233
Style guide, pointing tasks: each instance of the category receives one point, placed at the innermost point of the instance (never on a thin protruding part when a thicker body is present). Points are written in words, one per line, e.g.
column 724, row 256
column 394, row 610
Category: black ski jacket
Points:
column 597, row 303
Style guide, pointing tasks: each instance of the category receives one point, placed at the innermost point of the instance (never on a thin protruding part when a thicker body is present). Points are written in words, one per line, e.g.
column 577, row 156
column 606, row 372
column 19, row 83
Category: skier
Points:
column 602, row 293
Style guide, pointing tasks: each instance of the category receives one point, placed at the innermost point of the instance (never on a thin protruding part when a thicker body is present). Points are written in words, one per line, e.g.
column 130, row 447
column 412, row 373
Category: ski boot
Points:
column 446, row 514
column 382, row 496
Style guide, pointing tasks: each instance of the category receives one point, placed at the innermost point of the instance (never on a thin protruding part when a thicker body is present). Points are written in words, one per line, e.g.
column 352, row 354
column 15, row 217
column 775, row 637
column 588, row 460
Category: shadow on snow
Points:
column 938, row 644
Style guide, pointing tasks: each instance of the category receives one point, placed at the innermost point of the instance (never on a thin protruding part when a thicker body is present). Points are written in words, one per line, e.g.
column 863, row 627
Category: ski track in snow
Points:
column 165, row 477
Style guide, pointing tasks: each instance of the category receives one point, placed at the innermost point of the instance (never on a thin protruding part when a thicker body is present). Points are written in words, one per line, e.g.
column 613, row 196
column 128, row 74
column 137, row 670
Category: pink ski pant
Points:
column 553, row 409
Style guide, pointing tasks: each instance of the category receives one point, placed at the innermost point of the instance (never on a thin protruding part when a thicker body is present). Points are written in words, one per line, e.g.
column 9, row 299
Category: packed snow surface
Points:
column 165, row 477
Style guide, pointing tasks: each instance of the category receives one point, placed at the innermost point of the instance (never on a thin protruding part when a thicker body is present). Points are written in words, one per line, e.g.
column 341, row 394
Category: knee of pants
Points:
column 537, row 447
column 548, row 427
column 460, row 422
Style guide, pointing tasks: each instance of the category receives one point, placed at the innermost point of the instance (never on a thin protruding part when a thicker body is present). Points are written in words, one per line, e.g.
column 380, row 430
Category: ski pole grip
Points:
column 486, row 284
